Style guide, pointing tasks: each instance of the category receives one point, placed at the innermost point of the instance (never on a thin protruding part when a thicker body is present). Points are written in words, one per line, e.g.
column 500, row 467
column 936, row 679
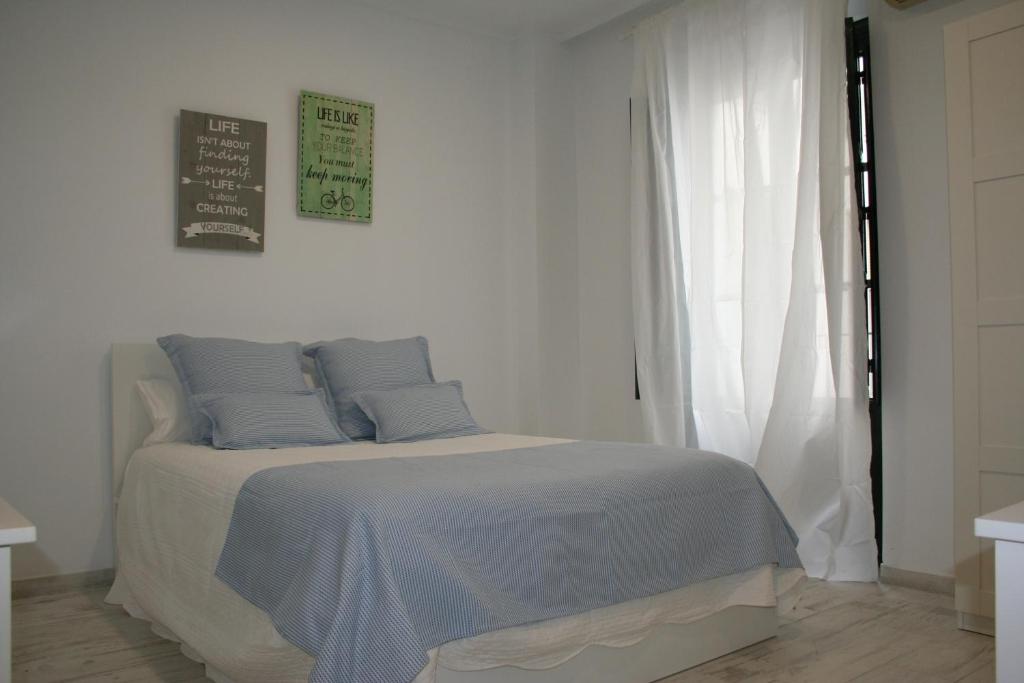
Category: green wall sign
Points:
column 335, row 158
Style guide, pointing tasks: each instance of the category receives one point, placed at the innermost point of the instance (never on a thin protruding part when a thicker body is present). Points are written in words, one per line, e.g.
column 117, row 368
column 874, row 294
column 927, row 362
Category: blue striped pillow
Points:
column 348, row 366
column 245, row 421
column 210, row 365
column 418, row 413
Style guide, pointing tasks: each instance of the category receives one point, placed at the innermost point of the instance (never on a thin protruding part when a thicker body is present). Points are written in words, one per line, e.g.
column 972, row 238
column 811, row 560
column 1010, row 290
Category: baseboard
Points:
column 932, row 583
column 977, row 623
column 51, row 585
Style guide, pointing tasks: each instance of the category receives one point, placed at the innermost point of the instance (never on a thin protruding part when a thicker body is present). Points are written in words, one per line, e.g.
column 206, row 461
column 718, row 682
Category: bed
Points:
column 174, row 506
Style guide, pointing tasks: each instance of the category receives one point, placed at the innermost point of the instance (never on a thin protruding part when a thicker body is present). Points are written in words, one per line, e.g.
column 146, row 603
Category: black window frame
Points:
column 862, row 131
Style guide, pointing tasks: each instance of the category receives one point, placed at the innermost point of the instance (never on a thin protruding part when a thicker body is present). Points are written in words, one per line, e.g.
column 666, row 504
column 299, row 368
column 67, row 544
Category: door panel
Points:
column 1001, row 364
column 985, row 121
column 1000, row 241
column 997, row 82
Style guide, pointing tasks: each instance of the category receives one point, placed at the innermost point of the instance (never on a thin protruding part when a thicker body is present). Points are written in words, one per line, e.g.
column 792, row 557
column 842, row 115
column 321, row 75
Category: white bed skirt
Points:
column 673, row 631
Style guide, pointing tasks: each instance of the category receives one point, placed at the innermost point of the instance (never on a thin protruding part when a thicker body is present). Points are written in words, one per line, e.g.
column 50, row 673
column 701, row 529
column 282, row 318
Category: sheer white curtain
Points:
column 747, row 274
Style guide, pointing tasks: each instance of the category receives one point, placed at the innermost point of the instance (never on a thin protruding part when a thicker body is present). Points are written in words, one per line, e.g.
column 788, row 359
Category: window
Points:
column 862, row 132
column 858, row 83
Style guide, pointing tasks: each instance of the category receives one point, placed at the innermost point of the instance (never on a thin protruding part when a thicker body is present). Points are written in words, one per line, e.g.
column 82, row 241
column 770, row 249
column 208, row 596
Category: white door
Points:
column 985, row 119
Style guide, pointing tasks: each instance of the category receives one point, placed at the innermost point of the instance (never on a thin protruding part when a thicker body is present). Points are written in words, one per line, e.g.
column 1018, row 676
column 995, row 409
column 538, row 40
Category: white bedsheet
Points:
column 173, row 516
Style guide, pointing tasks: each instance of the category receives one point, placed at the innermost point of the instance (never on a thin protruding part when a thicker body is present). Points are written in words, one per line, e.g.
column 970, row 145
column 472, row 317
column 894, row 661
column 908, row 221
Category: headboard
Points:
column 128, row 363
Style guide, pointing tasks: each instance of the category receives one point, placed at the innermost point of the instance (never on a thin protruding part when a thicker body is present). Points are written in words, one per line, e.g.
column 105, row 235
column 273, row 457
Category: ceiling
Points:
column 510, row 18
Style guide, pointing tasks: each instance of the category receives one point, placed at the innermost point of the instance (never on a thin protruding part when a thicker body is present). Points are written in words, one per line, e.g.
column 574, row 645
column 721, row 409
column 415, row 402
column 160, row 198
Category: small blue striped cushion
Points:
column 418, row 413
column 210, row 365
column 347, row 366
column 264, row 420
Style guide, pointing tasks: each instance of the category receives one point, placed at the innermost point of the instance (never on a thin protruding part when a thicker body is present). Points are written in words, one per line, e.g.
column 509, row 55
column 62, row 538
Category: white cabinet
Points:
column 1006, row 529
column 14, row 529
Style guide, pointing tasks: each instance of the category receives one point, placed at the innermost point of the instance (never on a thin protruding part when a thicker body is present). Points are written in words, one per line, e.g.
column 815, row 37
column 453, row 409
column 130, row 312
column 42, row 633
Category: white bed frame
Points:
column 128, row 364
column 667, row 650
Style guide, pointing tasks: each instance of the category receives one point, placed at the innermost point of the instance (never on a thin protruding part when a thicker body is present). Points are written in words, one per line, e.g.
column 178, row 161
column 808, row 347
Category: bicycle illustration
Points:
column 329, row 200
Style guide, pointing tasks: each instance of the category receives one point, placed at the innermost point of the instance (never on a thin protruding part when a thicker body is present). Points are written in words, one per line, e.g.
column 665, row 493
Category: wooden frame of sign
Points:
column 222, row 171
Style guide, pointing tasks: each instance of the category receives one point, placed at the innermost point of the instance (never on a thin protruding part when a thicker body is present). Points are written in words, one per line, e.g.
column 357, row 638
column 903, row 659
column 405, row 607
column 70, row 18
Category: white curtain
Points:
column 747, row 276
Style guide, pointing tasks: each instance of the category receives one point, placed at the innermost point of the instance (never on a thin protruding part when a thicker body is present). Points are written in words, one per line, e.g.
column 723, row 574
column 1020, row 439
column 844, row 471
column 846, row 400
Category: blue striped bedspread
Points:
column 368, row 564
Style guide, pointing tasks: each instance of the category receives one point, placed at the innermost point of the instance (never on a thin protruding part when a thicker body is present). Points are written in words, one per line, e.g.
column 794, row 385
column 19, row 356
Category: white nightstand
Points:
column 1006, row 528
column 14, row 529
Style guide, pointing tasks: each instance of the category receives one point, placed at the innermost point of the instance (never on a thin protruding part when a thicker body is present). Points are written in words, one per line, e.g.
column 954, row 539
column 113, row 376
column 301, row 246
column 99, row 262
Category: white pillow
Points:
column 165, row 405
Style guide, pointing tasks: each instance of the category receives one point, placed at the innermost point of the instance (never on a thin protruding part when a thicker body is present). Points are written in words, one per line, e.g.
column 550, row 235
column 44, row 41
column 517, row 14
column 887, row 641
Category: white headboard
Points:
column 128, row 363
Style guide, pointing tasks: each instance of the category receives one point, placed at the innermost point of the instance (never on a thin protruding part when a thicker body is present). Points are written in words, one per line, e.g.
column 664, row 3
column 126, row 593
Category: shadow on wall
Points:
column 31, row 555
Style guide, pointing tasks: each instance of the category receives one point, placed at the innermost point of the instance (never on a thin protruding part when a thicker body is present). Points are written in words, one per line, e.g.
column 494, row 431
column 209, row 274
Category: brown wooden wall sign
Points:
column 222, row 168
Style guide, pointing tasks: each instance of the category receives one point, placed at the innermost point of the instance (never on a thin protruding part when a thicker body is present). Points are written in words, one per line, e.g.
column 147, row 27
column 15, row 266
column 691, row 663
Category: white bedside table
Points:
column 1006, row 528
column 14, row 529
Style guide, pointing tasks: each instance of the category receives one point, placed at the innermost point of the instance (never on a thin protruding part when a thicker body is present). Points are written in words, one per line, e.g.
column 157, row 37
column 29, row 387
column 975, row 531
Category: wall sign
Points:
column 335, row 158
column 222, row 168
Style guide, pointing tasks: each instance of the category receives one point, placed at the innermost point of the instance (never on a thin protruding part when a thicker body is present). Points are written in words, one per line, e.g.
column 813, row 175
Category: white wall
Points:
column 602, row 64
column 520, row 246
column 585, row 309
column 914, row 269
column 87, row 132
column 560, row 399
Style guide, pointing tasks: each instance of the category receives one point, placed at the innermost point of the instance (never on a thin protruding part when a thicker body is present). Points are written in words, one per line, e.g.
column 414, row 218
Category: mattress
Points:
column 173, row 516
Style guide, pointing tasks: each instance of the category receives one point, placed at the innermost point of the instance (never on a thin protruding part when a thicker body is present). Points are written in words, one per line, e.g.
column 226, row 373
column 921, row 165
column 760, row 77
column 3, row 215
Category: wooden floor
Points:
column 838, row 632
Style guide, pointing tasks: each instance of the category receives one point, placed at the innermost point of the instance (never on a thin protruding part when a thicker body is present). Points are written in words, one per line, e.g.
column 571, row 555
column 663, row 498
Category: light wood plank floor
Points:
column 838, row 632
